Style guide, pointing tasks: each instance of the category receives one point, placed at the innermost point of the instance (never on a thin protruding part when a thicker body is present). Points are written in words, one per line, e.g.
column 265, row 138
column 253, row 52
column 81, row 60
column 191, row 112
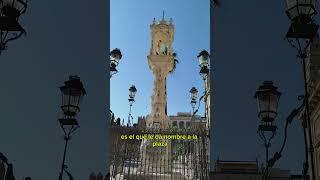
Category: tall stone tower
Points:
column 161, row 62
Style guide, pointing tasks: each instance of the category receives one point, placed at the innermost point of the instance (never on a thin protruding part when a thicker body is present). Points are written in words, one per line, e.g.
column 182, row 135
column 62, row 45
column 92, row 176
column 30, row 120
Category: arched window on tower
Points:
column 159, row 47
column 164, row 48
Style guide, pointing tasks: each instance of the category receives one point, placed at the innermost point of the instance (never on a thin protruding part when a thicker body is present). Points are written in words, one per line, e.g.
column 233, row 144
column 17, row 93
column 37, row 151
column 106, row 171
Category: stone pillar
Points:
column 158, row 116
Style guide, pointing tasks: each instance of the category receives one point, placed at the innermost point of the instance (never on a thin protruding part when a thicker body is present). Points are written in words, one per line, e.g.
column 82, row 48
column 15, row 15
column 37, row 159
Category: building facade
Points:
column 313, row 81
column 183, row 120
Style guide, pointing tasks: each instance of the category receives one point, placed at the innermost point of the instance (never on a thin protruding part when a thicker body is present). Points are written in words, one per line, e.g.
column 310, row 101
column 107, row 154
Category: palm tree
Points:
column 175, row 62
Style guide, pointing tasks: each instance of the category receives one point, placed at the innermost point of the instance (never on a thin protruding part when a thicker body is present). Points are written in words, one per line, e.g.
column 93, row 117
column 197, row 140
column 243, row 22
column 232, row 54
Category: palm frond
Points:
column 174, row 54
column 175, row 62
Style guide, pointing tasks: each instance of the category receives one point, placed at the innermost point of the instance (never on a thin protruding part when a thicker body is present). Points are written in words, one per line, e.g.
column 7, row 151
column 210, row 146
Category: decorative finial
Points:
column 170, row 21
column 154, row 20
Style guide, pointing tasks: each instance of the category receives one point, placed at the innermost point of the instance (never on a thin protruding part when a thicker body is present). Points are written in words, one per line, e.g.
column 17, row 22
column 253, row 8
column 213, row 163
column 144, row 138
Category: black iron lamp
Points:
column 72, row 95
column 132, row 94
column 204, row 59
column 115, row 57
column 267, row 100
column 10, row 28
column 301, row 13
column 194, row 96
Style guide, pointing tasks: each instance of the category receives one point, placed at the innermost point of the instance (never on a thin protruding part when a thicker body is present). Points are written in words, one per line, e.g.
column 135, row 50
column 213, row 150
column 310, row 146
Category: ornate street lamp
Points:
column 300, row 34
column 132, row 94
column 204, row 59
column 194, row 96
column 267, row 100
column 301, row 14
column 115, row 57
column 10, row 29
column 72, row 95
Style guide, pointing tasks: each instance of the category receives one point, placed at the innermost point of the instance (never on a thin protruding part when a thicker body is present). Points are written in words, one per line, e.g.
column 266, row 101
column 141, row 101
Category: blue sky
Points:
column 130, row 31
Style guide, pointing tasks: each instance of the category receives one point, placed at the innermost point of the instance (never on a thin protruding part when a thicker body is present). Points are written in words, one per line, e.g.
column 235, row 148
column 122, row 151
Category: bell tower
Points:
column 161, row 62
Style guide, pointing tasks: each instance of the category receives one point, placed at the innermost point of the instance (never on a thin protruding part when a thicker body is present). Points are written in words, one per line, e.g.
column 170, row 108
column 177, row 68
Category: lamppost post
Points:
column 72, row 95
column 203, row 58
column 114, row 56
column 132, row 93
column 267, row 100
column 194, row 95
column 300, row 34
